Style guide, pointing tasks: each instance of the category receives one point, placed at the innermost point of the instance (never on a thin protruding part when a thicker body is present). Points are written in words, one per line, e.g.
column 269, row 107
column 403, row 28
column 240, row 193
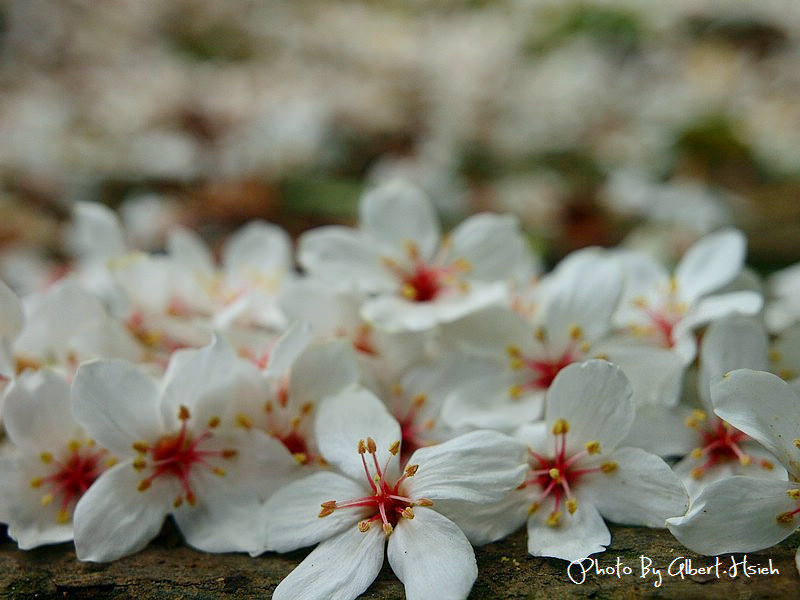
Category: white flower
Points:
column 417, row 279
column 367, row 504
column 180, row 453
column 11, row 323
column 665, row 310
column 744, row 514
column 578, row 476
column 50, row 463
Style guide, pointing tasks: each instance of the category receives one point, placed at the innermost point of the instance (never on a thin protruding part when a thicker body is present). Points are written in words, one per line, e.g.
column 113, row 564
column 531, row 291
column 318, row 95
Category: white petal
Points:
column 766, row 408
column 488, row 522
column 481, row 466
column 584, row 295
column 293, row 341
column 344, row 256
column 662, row 430
column 116, row 404
column 644, row 278
column 711, row 263
column 731, row 343
column 575, row 537
column 655, row 374
column 489, row 332
column 37, row 411
column 493, row 245
column 292, row 513
column 207, row 381
column 340, row 568
column 11, row 316
column 594, row 397
column 642, row 490
column 343, row 420
column 222, row 520
column 113, row 519
column 258, row 247
column 716, row 307
column 432, row 557
column 738, row 514
column 190, row 252
column 95, row 232
column 396, row 213
column 322, row 370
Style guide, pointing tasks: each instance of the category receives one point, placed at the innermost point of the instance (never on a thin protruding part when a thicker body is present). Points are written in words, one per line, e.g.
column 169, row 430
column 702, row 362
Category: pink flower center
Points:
column 426, row 281
column 176, row 455
column 287, row 423
column 386, row 502
column 721, row 444
column 556, row 476
column 71, row 476
column 542, row 370
column 413, row 424
column 662, row 319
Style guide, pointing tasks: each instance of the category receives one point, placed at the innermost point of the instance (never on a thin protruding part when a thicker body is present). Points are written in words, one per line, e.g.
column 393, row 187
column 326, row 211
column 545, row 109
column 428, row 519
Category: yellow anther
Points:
column 306, row 408
column 141, row 447
column 110, row 462
column 362, row 447
column 462, row 264
column 295, row 422
column 62, row 516
column 697, row 472
column 387, row 529
column 228, row 453
column 372, row 448
column 515, row 363
column 586, row 346
column 766, row 464
column 411, row 470
column 178, row 502
column 540, row 334
column 513, row 351
column 46, row 500
column 90, row 443
column 572, row 505
column 397, row 389
column 796, row 443
column 787, row 374
column 775, row 355
column 785, row 518
column 533, row 508
column 244, row 421
column 609, row 467
column 423, row 502
column 218, row 471
column 555, row 474
column 639, row 302
column 419, row 400
column 554, row 519
column 697, row 453
column 213, row 422
column 795, row 493
column 560, row 426
column 327, row 511
column 191, row 499
column 673, row 285
column 183, row 413
column 745, row 460
column 515, row 391
column 268, row 406
column 74, row 445
column 395, row 448
column 429, row 423
column 411, row 249
column 143, row 485
column 139, row 464
column 46, row 457
column 408, row 291
column 300, row 457
column 593, row 447
column 575, row 332
column 36, row 482
column 363, row 526
column 407, row 513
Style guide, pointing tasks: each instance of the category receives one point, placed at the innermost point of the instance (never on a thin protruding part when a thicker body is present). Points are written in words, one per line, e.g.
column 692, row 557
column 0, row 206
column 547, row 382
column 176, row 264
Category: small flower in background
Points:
column 49, row 463
column 371, row 502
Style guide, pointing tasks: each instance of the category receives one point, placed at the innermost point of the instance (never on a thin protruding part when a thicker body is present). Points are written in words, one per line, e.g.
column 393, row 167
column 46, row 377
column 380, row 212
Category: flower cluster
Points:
column 403, row 391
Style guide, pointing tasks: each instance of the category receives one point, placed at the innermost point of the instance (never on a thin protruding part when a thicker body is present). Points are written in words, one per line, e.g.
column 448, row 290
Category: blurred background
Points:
column 635, row 121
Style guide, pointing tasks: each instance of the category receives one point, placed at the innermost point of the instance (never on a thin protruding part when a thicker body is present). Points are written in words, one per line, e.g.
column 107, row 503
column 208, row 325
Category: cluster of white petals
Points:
column 396, row 392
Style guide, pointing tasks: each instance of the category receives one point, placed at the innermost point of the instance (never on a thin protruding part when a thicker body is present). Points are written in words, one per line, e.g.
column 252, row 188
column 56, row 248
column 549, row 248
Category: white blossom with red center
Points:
column 415, row 279
column 577, row 476
column 180, row 452
column 370, row 507
column 522, row 357
column 50, row 463
column 664, row 309
column 742, row 513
